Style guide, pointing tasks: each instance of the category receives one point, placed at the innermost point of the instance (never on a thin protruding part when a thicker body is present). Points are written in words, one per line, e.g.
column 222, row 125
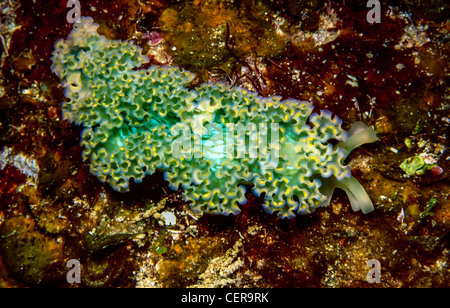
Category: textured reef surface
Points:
column 91, row 113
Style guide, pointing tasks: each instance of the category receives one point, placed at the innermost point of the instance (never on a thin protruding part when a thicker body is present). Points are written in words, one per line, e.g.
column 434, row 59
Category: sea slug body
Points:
column 214, row 141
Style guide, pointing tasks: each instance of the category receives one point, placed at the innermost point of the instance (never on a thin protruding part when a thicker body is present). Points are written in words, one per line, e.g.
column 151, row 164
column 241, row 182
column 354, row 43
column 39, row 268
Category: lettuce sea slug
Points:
column 214, row 141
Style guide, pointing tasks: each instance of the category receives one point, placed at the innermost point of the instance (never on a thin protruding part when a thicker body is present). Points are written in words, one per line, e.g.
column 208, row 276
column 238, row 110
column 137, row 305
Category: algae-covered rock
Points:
column 29, row 255
column 206, row 34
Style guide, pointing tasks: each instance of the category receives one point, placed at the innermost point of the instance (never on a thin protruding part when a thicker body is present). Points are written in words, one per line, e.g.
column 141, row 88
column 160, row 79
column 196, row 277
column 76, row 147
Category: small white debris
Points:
column 353, row 81
column 170, row 218
column 401, row 216
column 393, row 150
column 400, row 66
